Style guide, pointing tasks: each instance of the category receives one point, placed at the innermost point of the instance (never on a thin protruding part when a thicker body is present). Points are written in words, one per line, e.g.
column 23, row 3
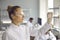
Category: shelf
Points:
column 55, row 17
column 54, row 8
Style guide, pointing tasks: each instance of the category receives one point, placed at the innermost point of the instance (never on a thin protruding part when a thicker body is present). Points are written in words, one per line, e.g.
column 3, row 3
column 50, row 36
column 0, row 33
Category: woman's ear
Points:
column 13, row 17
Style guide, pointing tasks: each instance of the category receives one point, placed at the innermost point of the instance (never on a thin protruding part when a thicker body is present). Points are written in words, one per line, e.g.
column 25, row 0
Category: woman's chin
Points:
column 21, row 21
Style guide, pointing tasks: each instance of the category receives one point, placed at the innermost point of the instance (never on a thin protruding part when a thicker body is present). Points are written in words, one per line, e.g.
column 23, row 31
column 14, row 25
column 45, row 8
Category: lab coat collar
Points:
column 15, row 26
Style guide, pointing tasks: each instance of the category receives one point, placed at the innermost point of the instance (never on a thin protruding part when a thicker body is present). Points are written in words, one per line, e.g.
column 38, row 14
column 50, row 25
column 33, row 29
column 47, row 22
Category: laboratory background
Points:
column 37, row 9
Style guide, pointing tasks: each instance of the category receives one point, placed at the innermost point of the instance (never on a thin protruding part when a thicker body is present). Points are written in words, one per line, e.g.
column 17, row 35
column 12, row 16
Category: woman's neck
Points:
column 16, row 23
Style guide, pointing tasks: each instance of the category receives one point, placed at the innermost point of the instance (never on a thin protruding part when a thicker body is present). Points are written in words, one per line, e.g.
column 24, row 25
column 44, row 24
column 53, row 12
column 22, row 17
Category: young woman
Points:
column 16, row 31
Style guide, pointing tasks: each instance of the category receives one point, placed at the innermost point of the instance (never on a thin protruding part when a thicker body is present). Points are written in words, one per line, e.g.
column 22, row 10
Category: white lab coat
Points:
column 50, row 36
column 16, row 33
column 31, row 28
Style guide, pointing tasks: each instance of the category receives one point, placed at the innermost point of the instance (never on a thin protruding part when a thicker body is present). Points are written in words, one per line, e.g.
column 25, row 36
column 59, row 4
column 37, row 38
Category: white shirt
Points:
column 14, row 32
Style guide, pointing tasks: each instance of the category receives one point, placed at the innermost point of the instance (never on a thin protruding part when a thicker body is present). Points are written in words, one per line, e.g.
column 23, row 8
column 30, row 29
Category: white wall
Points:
column 43, row 9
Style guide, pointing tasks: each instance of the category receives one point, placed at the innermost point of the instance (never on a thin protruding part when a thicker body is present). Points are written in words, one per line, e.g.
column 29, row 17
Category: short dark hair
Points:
column 31, row 18
column 11, row 10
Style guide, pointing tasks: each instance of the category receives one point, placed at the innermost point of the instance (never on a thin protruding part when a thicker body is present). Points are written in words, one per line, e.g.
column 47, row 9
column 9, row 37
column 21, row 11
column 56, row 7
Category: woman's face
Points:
column 49, row 16
column 18, row 15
